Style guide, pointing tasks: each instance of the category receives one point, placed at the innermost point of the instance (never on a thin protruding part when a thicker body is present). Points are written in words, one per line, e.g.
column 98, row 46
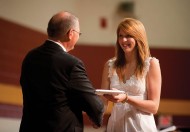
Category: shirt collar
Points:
column 58, row 44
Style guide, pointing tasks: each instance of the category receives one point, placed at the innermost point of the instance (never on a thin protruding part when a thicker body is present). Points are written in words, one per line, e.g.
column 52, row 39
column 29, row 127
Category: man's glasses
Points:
column 78, row 32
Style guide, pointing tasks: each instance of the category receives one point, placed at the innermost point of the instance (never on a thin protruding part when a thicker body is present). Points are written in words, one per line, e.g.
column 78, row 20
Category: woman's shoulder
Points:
column 109, row 66
column 111, row 61
column 150, row 61
column 154, row 63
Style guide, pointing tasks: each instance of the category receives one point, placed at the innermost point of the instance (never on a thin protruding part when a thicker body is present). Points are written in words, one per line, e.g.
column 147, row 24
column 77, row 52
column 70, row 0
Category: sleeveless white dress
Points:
column 124, row 117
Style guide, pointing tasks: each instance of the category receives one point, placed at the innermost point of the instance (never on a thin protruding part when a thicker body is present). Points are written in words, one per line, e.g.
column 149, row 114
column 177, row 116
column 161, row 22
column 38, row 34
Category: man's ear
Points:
column 70, row 34
column 67, row 37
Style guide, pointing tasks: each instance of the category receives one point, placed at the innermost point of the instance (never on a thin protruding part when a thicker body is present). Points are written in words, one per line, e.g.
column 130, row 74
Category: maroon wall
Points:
column 15, row 41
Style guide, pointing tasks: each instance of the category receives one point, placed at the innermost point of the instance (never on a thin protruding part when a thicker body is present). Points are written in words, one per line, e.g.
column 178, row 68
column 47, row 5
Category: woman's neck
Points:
column 131, row 58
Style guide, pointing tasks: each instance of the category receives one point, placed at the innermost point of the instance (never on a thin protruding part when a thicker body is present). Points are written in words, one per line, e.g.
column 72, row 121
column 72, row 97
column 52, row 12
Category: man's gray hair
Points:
column 60, row 25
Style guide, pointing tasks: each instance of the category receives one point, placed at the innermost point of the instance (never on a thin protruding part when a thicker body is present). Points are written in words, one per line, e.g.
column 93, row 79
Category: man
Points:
column 54, row 83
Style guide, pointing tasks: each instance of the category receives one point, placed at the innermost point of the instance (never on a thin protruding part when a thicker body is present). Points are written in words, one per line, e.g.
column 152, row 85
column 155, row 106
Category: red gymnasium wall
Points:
column 17, row 40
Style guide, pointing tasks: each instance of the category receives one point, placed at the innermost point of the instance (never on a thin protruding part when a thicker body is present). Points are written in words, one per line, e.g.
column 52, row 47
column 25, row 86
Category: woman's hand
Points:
column 115, row 98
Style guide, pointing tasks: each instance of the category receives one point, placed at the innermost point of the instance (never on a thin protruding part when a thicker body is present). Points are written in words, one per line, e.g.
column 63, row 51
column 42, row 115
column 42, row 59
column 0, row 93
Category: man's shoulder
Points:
column 69, row 58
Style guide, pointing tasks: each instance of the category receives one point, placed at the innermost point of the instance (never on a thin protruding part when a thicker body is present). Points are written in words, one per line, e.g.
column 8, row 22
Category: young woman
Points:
column 134, row 71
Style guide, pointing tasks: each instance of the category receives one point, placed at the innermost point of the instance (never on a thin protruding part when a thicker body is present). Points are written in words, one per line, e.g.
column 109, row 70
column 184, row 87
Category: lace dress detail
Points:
column 125, row 117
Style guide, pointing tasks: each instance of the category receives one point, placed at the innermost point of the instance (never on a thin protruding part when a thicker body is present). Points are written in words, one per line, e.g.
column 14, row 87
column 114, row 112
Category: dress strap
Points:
column 147, row 64
column 110, row 65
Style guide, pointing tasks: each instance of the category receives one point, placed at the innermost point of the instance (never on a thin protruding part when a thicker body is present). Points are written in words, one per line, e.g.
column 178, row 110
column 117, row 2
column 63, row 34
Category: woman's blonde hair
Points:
column 135, row 29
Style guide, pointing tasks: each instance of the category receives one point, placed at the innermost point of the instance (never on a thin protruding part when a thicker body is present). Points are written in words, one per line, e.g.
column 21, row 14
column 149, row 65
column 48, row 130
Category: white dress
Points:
column 124, row 117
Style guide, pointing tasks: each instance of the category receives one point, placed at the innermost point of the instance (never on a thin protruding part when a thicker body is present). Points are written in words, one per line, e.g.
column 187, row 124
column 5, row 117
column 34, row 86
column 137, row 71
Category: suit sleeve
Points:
column 83, row 94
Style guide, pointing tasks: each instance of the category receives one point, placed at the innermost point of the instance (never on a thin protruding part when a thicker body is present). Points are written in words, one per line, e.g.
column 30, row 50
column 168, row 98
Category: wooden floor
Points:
column 12, row 125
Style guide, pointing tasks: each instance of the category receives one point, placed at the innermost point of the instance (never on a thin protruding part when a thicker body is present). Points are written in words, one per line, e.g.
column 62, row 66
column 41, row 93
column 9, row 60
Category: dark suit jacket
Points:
column 56, row 90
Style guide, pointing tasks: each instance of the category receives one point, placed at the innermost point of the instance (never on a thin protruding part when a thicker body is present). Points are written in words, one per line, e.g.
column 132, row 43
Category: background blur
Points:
column 23, row 26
